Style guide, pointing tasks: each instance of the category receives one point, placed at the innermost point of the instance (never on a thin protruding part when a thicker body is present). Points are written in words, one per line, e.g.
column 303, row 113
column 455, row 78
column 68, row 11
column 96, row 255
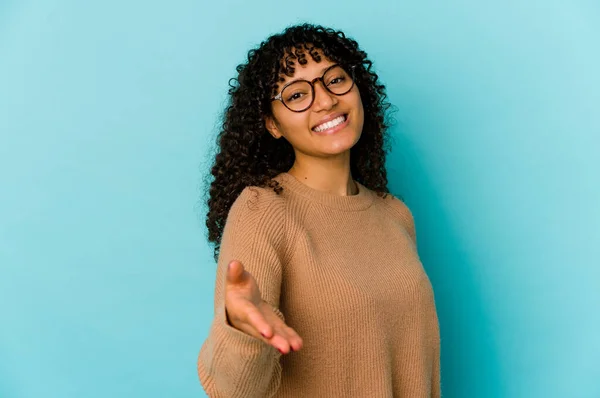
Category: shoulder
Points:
column 255, row 199
column 258, row 209
column 400, row 210
column 398, row 207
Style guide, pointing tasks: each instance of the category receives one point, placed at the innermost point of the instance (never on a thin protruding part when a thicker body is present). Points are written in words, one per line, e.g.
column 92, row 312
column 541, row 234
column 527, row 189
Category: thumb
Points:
column 235, row 271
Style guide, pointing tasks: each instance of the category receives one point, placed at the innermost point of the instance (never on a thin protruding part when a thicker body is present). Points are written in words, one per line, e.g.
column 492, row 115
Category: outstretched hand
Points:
column 249, row 313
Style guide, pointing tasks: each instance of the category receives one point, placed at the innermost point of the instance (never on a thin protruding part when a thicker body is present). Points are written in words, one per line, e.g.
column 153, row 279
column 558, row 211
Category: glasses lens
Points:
column 297, row 96
column 338, row 81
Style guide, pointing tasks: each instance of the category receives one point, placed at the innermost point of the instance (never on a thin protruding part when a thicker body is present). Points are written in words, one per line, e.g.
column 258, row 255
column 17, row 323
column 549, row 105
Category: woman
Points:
column 320, row 291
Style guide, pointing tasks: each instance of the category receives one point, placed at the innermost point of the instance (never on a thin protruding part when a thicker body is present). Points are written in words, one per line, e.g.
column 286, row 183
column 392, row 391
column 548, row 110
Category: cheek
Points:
column 358, row 99
column 291, row 122
column 360, row 113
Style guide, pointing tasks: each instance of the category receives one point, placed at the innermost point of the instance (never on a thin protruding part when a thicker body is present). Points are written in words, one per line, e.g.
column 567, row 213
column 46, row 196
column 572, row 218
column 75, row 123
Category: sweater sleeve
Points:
column 232, row 363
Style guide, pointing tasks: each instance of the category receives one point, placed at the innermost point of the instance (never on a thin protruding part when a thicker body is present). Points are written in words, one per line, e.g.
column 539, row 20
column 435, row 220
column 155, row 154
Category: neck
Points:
column 326, row 175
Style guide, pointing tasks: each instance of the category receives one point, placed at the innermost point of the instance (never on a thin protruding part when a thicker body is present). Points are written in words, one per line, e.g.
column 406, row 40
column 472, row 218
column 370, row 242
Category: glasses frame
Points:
column 312, row 82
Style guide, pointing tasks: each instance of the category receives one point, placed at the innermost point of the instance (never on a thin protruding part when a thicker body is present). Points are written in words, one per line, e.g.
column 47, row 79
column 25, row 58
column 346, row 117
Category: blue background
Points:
column 107, row 116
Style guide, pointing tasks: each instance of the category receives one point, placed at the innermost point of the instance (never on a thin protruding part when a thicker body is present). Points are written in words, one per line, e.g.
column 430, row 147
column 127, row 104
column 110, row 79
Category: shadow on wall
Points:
column 470, row 359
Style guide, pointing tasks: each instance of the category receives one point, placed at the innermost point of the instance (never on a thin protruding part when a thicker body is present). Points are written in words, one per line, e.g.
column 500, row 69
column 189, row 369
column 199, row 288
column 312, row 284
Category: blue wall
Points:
column 107, row 113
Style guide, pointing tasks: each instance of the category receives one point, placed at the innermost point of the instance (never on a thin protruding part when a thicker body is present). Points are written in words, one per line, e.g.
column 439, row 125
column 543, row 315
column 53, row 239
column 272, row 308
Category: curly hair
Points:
column 247, row 155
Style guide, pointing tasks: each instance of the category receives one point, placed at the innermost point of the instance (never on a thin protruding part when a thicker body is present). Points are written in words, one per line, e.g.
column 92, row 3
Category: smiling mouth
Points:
column 330, row 124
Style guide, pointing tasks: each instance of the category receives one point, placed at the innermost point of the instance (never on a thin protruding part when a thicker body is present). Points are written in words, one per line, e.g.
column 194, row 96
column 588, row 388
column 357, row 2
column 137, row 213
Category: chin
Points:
column 343, row 144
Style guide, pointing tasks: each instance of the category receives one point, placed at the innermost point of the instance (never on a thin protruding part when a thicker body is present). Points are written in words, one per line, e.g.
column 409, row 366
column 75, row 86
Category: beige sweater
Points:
column 343, row 271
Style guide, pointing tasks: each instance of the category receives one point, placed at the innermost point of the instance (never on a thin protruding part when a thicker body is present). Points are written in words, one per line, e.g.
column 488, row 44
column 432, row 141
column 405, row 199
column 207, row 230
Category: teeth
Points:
column 330, row 124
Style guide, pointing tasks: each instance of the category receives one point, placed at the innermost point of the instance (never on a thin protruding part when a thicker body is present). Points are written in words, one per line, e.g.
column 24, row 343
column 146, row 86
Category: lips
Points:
column 330, row 121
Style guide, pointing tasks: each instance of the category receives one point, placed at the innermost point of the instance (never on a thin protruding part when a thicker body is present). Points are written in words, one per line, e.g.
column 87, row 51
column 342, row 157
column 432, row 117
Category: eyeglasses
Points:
column 299, row 95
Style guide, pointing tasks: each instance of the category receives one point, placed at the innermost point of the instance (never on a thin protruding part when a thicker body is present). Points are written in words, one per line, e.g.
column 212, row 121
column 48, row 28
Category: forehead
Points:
column 303, row 62
column 309, row 71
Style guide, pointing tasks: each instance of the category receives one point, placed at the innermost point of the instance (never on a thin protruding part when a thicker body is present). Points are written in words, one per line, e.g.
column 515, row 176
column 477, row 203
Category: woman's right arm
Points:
column 235, row 360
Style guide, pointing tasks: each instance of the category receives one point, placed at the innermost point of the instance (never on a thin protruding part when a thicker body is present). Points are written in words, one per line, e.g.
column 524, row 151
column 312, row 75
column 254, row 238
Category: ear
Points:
column 273, row 127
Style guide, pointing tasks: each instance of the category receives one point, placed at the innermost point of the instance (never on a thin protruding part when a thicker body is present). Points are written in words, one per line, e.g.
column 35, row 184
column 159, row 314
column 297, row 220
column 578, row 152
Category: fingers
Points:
column 257, row 321
column 253, row 322
column 284, row 338
column 293, row 338
column 263, row 324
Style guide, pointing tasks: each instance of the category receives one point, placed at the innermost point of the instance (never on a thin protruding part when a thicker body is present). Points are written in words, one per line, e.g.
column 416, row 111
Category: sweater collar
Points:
column 360, row 201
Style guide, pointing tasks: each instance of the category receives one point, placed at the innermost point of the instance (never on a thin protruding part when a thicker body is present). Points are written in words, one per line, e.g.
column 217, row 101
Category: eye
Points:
column 337, row 80
column 295, row 97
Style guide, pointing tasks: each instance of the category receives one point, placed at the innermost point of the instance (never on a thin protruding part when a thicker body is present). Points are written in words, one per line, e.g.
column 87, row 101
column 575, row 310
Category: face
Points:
column 330, row 127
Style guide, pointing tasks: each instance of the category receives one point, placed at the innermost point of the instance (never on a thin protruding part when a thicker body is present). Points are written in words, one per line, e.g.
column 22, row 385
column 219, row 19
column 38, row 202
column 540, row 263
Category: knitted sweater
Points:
column 343, row 272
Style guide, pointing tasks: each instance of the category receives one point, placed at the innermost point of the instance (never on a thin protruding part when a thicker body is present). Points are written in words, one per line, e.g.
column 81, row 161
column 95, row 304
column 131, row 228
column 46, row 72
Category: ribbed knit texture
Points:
column 344, row 272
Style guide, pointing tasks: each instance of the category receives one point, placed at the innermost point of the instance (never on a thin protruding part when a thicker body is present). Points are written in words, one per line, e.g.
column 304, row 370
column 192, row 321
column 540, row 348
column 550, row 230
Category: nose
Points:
column 324, row 100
